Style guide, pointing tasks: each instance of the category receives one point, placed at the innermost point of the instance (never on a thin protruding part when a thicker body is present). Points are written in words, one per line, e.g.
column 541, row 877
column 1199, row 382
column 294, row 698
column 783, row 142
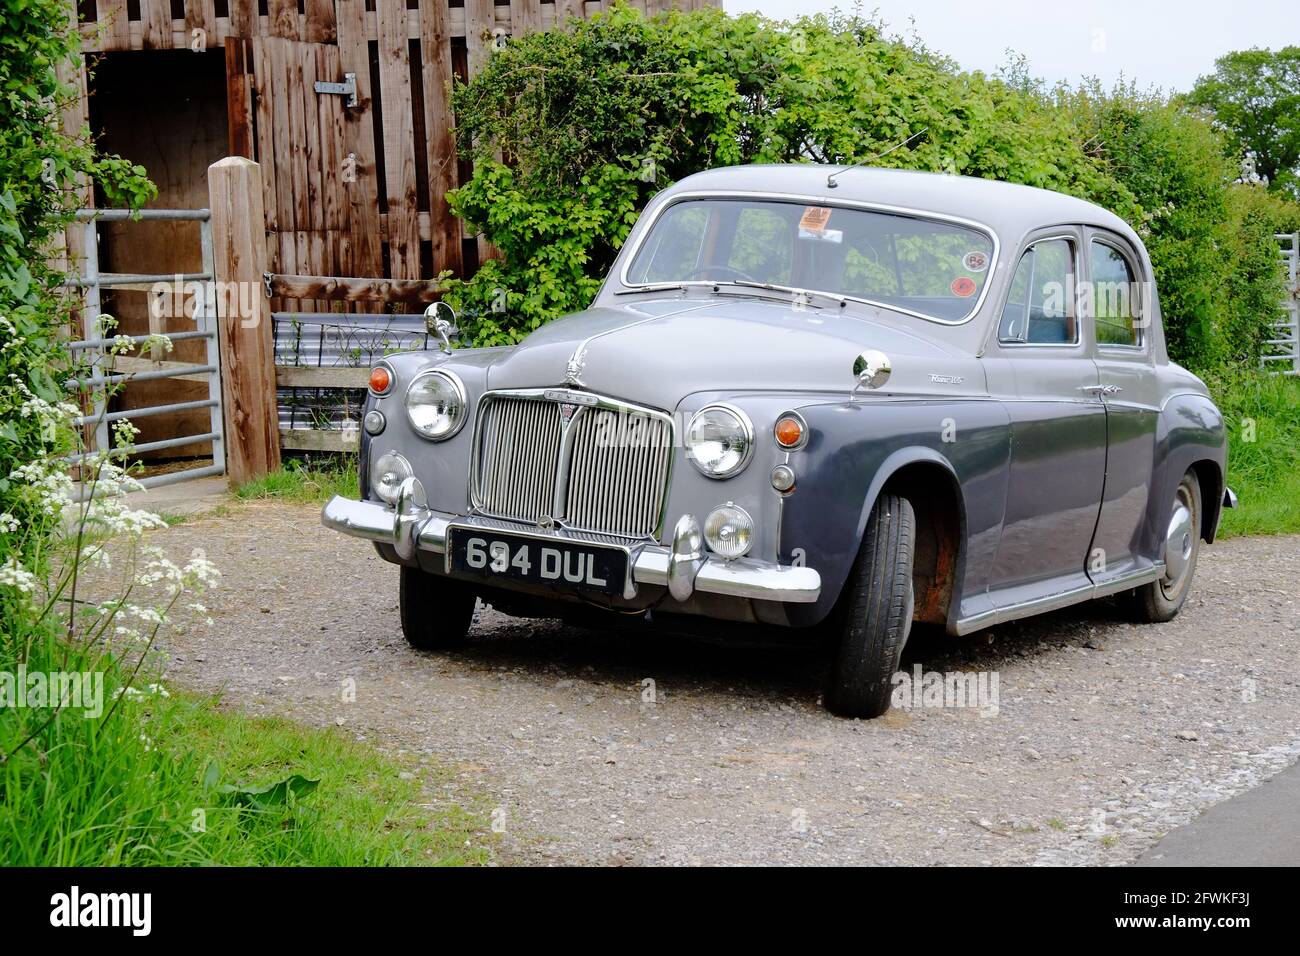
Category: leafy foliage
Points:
column 571, row 132
column 118, row 779
column 1255, row 96
column 1211, row 245
column 41, row 170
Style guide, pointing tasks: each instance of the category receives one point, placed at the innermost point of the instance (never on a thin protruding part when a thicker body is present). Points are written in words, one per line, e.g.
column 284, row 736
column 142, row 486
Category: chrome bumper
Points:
column 683, row 568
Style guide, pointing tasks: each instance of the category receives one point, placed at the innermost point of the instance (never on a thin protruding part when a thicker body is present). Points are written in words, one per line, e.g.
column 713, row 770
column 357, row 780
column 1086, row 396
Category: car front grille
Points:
column 605, row 471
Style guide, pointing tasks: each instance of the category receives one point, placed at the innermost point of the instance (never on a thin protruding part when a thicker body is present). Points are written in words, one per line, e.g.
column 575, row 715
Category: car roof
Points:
column 1008, row 208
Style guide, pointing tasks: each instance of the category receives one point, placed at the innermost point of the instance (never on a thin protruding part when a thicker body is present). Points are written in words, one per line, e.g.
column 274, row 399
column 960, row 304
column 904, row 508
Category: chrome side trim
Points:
column 1054, row 602
column 650, row 564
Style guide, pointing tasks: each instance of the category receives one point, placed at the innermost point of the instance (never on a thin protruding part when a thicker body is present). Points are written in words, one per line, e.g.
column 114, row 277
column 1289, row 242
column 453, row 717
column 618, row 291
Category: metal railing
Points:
column 332, row 340
column 101, row 376
column 1284, row 346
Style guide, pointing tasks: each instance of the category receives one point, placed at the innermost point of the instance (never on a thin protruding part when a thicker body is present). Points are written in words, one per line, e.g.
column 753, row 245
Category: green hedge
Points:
column 572, row 131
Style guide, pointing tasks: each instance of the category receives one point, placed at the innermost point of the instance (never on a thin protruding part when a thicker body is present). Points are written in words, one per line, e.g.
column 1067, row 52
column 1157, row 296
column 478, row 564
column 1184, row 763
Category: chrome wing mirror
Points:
column 440, row 320
column 871, row 369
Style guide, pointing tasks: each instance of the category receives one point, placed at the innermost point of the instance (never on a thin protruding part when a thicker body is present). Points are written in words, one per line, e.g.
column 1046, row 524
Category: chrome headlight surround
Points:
column 451, row 403
column 738, row 442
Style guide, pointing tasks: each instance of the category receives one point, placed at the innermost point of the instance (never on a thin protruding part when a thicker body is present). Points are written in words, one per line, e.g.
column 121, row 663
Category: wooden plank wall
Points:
column 347, row 192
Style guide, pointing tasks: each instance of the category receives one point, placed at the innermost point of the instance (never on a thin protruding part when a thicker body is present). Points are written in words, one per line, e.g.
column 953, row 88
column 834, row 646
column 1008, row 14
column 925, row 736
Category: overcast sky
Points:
column 1156, row 42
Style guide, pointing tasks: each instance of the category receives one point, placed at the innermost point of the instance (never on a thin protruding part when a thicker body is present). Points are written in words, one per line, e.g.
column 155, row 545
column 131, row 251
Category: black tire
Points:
column 436, row 611
column 1161, row 600
column 875, row 613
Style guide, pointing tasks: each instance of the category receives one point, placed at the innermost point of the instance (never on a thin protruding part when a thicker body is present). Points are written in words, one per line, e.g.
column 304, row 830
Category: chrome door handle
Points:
column 1095, row 389
column 1112, row 389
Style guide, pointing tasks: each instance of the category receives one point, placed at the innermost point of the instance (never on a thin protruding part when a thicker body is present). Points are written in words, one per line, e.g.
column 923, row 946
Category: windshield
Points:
column 930, row 268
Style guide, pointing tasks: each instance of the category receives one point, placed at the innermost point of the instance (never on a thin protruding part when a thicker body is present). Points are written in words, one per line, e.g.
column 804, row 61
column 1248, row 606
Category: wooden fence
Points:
column 349, row 190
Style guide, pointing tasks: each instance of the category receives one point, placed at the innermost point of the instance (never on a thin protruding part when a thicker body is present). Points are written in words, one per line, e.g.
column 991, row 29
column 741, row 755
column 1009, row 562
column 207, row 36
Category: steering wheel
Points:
column 728, row 270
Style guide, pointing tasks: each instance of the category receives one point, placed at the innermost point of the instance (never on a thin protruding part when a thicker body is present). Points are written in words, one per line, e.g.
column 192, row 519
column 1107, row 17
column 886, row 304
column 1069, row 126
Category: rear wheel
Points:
column 436, row 611
column 875, row 613
column 1160, row 600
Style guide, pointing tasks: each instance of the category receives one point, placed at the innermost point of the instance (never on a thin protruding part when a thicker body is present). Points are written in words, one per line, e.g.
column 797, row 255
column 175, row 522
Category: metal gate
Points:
column 205, row 321
column 1284, row 347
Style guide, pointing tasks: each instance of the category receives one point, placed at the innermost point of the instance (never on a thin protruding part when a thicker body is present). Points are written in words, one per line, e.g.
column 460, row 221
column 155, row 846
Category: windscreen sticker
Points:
column 814, row 218
column 823, row 235
column 963, row 286
column 975, row 261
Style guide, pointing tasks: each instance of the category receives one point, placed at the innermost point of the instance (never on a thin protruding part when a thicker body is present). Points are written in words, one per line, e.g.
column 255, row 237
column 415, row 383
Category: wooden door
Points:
column 317, row 157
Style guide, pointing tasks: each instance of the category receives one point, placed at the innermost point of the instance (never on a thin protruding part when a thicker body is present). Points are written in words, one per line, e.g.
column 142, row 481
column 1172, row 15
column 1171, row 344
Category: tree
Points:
column 1255, row 96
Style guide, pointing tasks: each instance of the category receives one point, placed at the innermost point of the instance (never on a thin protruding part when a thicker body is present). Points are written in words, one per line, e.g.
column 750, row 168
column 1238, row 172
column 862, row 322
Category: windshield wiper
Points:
column 652, row 287
column 788, row 290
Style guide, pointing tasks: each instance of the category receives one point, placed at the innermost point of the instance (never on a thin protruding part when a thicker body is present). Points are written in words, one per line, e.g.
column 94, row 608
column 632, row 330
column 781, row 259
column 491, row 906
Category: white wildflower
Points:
column 14, row 575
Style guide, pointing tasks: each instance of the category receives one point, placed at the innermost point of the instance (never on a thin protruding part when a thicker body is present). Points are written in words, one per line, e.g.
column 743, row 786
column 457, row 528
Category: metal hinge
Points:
column 347, row 88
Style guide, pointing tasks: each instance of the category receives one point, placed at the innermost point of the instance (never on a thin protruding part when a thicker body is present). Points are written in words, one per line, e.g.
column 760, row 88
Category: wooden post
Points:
column 247, row 348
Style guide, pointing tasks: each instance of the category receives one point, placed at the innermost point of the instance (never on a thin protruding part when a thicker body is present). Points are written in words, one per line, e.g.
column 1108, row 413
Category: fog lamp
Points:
column 390, row 471
column 729, row 531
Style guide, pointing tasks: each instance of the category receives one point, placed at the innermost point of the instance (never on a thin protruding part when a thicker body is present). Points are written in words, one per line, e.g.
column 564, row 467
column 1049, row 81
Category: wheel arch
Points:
column 1210, row 477
column 929, row 483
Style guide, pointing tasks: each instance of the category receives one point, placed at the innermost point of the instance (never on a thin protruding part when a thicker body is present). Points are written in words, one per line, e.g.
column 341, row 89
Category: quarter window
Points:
column 1040, row 307
column 1116, row 297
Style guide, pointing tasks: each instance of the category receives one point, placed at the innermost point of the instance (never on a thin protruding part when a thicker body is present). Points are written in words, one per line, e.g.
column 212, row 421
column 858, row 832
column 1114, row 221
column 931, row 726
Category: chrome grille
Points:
column 519, row 451
column 612, row 479
column 618, row 472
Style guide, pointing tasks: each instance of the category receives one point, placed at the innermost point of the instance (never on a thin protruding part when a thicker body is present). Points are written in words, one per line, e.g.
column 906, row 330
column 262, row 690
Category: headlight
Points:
column 390, row 471
column 719, row 440
column 435, row 404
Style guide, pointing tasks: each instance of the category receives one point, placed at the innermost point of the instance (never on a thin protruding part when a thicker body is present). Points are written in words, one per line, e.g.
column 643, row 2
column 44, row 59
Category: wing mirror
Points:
column 871, row 369
column 440, row 320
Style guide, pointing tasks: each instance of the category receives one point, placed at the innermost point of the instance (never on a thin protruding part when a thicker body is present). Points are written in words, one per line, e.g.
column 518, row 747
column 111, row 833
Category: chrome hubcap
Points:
column 1180, row 538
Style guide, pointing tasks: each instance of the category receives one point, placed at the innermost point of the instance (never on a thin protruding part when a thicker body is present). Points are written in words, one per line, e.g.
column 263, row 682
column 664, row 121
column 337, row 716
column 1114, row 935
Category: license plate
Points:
column 560, row 564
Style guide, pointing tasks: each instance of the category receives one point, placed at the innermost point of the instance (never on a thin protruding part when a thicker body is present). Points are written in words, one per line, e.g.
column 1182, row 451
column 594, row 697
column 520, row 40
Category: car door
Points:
column 1057, row 422
column 1118, row 304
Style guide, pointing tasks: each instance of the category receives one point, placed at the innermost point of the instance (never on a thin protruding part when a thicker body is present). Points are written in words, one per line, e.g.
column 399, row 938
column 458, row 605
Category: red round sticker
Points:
column 963, row 286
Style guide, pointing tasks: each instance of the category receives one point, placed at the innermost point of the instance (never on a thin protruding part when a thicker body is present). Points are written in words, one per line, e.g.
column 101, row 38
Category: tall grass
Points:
column 158, row 782
column 129, row 774
column 1262, row 415
column 305, row 480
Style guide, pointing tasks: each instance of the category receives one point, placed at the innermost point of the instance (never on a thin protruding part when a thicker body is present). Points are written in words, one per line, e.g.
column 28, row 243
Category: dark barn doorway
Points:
column 165, row 110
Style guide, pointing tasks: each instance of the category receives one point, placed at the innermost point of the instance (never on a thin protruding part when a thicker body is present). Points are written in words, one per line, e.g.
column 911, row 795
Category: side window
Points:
column 1116, row 296
column 1040, row 307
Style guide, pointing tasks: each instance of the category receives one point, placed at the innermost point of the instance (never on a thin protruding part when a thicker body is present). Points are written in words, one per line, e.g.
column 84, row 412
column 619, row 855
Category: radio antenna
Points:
column 830, row 180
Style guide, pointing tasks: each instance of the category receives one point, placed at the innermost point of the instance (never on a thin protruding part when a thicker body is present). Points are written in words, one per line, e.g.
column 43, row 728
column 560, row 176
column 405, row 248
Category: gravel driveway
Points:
column 1107, row 734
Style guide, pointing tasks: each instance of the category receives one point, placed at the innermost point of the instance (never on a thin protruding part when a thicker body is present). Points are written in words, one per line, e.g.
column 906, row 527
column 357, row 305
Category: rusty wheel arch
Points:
column 940, row 531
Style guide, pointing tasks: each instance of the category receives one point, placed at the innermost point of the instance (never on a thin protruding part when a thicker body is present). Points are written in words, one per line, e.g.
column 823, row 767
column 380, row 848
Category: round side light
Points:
column 381, row 380
column 790, row 431
column 783, row 478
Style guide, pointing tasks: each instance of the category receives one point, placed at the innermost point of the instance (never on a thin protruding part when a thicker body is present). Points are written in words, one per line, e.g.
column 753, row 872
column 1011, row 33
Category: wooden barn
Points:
column 343, row 103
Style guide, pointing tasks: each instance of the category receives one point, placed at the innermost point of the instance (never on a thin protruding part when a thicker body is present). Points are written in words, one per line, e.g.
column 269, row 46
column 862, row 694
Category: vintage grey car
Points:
column 830, row 400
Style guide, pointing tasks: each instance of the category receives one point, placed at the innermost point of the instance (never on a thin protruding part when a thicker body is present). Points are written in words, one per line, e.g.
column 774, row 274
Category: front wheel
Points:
column 1161, row 600
column 875, row 613
column 436, row 611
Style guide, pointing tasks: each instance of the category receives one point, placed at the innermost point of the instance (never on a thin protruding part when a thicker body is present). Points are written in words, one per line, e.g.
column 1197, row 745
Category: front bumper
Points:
column 682, row 568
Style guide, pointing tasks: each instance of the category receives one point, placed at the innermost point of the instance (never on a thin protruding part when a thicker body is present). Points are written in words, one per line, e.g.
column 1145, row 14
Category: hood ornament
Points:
column 573, row 368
